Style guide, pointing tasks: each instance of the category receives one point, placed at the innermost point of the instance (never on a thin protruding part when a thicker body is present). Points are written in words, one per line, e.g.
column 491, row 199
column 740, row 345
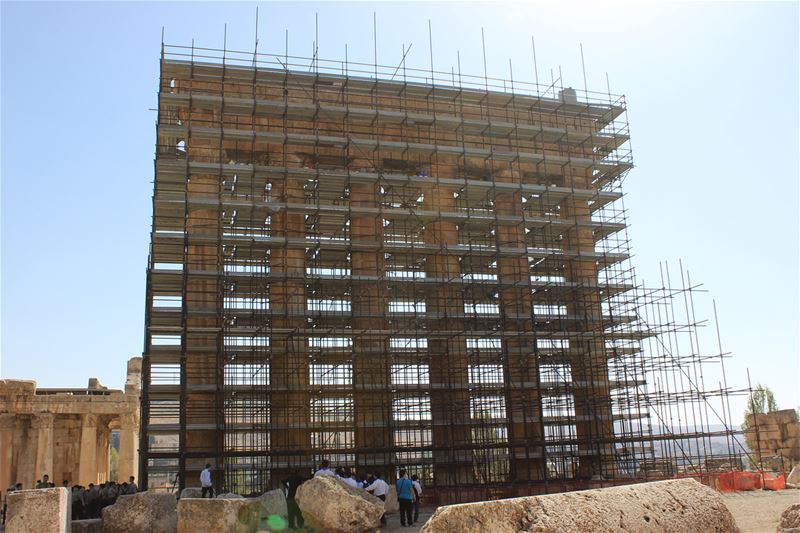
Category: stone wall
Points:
column 65, row 433
column 775, row 439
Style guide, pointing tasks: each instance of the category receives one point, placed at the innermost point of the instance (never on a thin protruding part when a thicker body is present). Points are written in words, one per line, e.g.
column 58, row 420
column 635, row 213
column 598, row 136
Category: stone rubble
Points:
column 331, row 505
column 144, row 512
column 790, row 520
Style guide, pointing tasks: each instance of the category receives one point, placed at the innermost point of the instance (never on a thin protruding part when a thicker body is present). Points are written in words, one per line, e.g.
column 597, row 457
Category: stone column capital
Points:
column 128, row 420
column 42, row 420
column 89, row 420
column 7, row 420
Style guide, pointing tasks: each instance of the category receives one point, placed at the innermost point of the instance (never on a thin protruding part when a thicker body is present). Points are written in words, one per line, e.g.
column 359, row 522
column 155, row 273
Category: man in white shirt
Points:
column 324, row 469
column 380, row 489
column 205, row 482
column 347, row 478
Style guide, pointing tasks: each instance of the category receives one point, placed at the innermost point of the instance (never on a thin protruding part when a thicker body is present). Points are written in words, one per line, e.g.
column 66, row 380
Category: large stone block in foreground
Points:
column 675, row 506
column 228, row 515
column 38, row 510
column 144, row 512
column 790, row 520
column 331, row 505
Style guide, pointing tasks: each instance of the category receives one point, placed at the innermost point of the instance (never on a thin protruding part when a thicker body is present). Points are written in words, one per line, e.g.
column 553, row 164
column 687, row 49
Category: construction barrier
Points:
column 741, row 481
column 773, row 482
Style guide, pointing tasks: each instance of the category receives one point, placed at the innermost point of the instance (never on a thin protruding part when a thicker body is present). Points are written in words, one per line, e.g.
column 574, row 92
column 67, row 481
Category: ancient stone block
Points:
column 94, row 525
column 229, row 515
column 145, row 512
column 790, row 520
column 331, row 505
column 675, row 506
column 392, row 505
column 274, row 503
column 229, row 495
column 39, row 510
column 191, row 492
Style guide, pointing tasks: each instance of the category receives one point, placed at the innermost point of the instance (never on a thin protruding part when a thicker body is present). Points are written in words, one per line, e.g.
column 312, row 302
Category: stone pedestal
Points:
column 42, row 510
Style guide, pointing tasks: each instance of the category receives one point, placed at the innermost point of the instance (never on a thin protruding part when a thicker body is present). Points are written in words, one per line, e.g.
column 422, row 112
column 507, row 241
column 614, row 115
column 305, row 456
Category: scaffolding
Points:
column 388, row 267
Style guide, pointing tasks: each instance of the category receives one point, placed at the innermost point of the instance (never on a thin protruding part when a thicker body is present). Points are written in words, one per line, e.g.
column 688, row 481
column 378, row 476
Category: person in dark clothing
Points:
column 77, row 502
column 93, row 501
column 295, row 515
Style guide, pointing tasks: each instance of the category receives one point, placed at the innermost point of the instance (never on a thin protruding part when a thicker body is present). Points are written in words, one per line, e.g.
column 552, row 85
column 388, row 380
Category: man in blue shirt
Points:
column 405, row 495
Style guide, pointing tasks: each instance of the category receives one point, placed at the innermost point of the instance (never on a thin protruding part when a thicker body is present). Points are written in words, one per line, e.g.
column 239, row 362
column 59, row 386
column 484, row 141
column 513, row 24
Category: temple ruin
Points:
column 66, row 433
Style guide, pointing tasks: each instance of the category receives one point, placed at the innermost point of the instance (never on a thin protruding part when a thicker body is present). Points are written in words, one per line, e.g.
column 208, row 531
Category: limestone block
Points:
column 675, row 506
column 794, row 476
column 191, row 492
column 274, row 503
column 94, row 525
column 228, row 495
column 790, row 520
column 331, row 505
column 392, row 505
column 231, row 515
column 144, row 512
column 39, row 510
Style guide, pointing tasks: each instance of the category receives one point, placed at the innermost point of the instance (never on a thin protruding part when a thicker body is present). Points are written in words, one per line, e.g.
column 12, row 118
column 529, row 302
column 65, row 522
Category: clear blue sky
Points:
column 712, row 93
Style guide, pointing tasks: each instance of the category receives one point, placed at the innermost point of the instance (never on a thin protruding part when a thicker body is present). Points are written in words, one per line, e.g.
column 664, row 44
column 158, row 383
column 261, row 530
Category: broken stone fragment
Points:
column 331, row 505
column 674, row 506
column 144, row 512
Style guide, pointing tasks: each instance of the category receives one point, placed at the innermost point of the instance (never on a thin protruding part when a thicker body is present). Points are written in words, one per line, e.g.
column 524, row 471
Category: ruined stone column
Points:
column 6, row 450
column 101, row 462
column 43, row 425
column 592, row 394
column 290, row 438
column 449, row 364
column 516, row 301
column 87, row 469
column 128, row 463
column 203, row 296
column 373, row 398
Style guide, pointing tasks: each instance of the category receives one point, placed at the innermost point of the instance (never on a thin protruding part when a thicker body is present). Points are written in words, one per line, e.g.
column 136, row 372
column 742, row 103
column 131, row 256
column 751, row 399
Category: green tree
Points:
column 113, row 463
column 761, row 401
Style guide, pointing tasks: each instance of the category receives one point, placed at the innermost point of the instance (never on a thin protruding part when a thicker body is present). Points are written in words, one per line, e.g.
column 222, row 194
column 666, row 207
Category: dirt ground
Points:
column 759, row 511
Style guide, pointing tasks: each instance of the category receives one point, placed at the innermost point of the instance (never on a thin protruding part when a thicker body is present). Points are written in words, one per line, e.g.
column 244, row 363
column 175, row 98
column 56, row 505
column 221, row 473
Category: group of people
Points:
column 87, row 502
column 409, row 491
